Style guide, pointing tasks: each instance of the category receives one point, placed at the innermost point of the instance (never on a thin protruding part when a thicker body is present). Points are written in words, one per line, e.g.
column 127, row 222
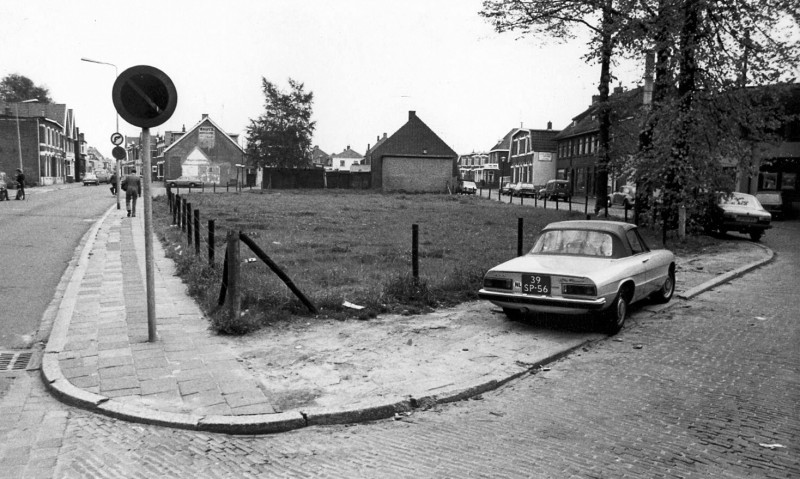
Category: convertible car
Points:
column 583, row 266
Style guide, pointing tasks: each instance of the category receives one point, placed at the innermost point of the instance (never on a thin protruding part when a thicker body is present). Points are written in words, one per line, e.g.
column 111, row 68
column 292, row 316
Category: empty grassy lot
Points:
column 339, row 245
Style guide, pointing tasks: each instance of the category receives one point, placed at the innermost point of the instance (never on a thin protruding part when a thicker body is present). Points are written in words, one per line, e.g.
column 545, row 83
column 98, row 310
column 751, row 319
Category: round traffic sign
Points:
column 118, row 152
column 144, row 96
column 117, row 138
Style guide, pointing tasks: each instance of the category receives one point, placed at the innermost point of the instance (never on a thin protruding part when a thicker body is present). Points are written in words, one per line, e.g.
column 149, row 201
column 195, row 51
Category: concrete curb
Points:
column 730, row 275
column 385, row 408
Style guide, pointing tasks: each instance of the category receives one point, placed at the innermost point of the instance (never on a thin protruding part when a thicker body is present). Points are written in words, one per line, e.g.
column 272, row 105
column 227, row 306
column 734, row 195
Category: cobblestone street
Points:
column 708, row 388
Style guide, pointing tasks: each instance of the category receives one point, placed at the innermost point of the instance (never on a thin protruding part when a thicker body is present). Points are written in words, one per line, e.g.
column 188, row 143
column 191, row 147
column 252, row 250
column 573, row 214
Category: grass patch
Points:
column 350, row 246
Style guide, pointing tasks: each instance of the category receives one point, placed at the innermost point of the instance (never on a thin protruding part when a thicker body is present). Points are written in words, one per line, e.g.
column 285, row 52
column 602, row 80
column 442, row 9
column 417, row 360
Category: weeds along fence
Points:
column 201, row 239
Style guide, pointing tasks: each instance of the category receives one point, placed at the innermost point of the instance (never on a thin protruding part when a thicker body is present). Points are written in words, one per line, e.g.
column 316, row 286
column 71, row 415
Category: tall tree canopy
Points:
column 281, row 136
column 708, row 56
column 16, row 88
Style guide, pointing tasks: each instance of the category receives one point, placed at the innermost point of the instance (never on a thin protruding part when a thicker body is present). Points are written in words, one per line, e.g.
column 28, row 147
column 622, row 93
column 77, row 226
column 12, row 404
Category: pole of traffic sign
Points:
column 148, row 237
column 118, row 186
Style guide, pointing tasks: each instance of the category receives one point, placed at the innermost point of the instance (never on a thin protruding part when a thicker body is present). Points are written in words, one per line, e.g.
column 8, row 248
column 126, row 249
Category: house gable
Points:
column 413, row 140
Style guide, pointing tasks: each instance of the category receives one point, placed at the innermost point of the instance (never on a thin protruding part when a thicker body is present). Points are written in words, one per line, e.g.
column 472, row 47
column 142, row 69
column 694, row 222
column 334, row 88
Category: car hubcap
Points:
column 621, row 311
column 668, row 285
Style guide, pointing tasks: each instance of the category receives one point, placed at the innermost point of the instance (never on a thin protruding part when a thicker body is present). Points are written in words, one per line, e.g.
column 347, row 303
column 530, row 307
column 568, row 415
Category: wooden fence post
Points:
column 197, row 232
column 519, row 236
column 415, row 251
column 233, row 296
column 188, row 220
column 182, row 215
column 211, row 243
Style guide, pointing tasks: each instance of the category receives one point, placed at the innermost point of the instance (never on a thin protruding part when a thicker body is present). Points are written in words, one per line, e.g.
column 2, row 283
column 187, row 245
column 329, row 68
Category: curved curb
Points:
column 68, row 393
column 730, row 275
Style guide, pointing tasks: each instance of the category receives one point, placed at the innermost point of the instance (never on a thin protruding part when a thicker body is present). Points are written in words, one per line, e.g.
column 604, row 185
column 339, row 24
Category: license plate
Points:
column 536, row 284
column 748, row 219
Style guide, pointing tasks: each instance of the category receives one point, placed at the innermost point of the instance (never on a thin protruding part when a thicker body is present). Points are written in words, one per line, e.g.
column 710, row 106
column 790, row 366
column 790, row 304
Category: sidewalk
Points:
column 323, row 372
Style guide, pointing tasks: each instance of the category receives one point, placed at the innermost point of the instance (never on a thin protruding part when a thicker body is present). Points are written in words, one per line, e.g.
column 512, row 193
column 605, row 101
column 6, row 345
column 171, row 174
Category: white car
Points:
column 583, row 266
column 90, row 179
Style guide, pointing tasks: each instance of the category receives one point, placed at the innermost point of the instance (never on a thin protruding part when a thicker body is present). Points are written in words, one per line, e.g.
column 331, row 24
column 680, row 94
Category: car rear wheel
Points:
column 617, row 314
column 664, row 294
column 756, row 235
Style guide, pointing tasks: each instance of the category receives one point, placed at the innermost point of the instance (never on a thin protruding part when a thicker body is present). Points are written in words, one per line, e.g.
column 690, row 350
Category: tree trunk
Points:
column 606, row 50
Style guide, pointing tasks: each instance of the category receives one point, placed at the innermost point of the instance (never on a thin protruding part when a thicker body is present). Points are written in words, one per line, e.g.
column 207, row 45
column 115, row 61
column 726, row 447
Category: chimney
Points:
column 384, row 135
column 205, row 115
column 649, row 66
column 549, row 125
column 184, row 128
column 618, row 89
column 412, row 114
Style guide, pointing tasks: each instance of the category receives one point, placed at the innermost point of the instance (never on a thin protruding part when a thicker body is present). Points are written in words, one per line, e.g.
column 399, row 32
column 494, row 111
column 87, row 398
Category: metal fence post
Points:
column 519, row 236
column 188, row 220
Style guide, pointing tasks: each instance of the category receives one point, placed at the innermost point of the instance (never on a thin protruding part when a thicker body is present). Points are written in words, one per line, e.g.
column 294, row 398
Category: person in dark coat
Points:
column 113, row 181
column 133, row 187
column 20, row 185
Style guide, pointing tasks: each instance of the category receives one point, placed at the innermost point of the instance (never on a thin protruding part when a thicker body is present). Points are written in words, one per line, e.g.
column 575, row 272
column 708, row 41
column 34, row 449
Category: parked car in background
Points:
column 102, row 176
column 185, row 182
column 466, row 187
column 507, row 188
column 739, row 212
column 556, row 189
column 524, row 190
column 577, row 267
column 772, row 201
column 90, row 179
column 625, row 196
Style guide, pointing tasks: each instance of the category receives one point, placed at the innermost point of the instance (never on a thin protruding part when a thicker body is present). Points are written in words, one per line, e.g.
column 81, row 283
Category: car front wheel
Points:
column 664, row 294
column 616, row 314
column 756, row 235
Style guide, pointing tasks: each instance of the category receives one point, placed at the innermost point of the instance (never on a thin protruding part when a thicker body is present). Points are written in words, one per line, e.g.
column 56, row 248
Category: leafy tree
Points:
column 15, row 88
column 281, row 136
column 709, row 54
column 556, row 19
column 708, row 111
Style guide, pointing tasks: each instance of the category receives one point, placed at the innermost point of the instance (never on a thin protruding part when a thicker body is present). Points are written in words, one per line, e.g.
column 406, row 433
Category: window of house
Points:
column 341, row 162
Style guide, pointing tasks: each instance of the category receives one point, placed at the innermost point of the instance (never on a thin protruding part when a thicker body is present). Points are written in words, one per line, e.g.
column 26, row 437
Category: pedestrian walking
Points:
column 113, row 181
column 20, row 184
column 133, row 187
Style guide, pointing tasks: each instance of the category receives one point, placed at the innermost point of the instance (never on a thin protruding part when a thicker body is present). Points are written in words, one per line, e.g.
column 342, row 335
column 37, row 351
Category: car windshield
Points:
column 740, row 199
column 575, row 242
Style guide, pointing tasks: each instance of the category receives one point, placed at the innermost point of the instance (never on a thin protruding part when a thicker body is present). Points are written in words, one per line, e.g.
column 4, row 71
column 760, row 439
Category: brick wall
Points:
column 416, row 174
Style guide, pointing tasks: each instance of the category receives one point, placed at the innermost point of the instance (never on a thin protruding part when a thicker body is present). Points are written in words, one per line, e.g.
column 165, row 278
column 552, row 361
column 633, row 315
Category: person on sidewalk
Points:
column 20, row 185
column 132, row 186
column 113, row 181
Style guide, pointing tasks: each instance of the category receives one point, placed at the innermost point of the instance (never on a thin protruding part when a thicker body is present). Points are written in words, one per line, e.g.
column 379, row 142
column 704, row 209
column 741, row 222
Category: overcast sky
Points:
column 368, row 63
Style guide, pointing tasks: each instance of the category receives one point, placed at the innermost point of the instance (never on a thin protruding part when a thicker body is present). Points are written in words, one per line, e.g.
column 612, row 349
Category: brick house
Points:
column 413, row 159
column 578, row 143
column 319, row 158
column 500, row 155
column 47, row 140
column 532, row 155
column 205, row 152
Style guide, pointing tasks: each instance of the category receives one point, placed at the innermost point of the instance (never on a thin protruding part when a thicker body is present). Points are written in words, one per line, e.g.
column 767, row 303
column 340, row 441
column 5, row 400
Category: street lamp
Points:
column 19, row 138
column 116, row 74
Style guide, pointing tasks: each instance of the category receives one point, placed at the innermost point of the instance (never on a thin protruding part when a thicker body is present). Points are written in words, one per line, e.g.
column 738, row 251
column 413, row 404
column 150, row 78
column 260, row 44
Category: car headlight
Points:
column 498, row 283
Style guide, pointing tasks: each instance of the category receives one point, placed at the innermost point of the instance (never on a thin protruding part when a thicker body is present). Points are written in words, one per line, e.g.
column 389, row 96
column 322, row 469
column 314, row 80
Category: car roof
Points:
column 616, row 227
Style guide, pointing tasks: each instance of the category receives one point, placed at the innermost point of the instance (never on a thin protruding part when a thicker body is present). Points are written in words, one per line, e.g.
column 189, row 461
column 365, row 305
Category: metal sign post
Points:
column 145, row 96
column 116, row 140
